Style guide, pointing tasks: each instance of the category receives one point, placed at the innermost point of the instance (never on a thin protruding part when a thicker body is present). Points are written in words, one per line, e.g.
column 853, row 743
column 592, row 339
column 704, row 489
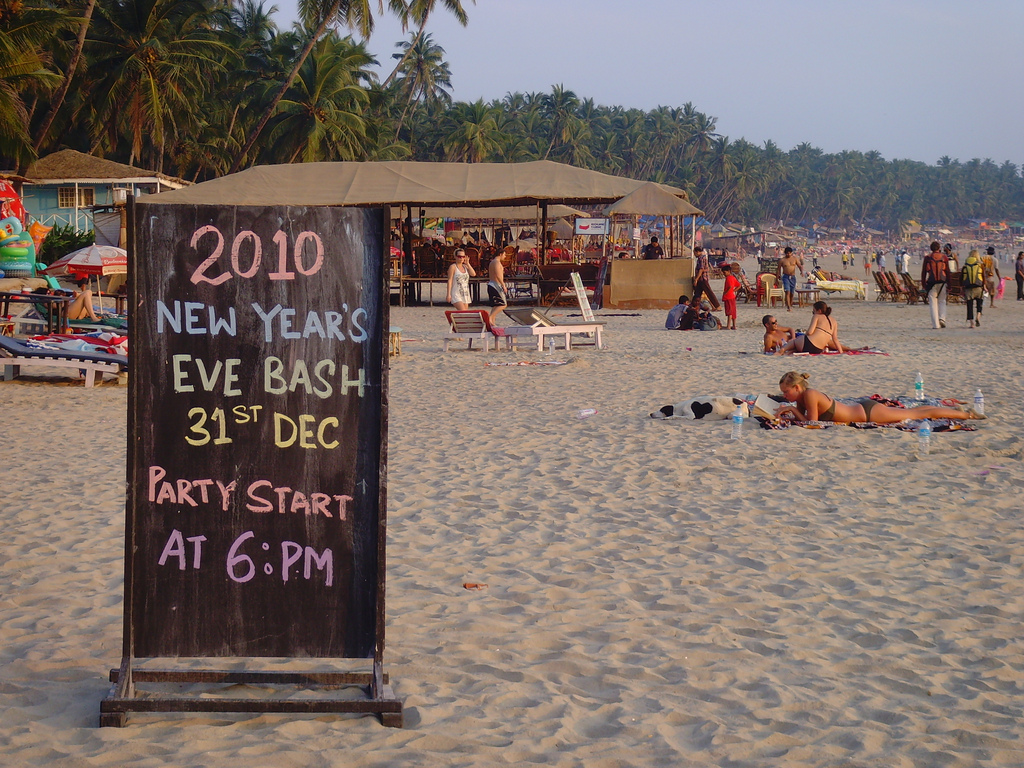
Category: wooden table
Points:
column 411, row 288
column 55, row 305
column 812, row 294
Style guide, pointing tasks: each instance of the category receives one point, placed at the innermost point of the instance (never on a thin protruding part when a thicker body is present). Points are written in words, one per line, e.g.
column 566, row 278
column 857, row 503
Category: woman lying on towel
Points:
column 812, row 405
column 822, row 334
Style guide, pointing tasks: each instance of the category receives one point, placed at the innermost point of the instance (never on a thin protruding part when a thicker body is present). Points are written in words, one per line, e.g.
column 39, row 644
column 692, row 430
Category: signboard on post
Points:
column 581, row 297
column 591, row 226
column 258, row 445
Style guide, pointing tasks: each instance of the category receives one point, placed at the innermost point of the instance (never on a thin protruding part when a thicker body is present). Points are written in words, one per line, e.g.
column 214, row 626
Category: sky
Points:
column 913, row 79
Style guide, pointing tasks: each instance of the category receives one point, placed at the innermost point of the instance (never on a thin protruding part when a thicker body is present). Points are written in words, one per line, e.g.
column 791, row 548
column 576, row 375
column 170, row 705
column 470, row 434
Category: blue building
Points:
column 64, row 188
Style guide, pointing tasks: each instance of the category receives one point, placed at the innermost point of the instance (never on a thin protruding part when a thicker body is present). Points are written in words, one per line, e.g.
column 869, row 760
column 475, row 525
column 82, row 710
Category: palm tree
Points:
column 317, row 15
column 24, row 33
column 58, row 99
column 476, row 136
column 560, row 109
column 418, row 12
column 425, row 75
column 320, row 117
column 153, row 58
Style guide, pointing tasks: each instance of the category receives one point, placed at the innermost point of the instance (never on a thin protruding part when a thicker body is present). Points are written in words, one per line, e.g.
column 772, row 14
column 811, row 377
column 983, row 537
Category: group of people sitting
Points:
column 821, row 335
column 691, row 316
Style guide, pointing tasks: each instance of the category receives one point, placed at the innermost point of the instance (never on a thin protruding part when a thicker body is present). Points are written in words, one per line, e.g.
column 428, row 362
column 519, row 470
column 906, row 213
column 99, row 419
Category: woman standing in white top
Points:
column 458, row 280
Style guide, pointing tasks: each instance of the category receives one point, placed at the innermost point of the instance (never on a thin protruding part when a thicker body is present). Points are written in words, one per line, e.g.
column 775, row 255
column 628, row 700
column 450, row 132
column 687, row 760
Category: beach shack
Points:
column 408, row 187
column 655, row 284
column 62, row 189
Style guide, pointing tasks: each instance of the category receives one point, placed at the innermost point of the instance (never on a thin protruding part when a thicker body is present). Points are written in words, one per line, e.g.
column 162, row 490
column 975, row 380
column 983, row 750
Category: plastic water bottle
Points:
column 979, row 403
column 924, row 437
column 551, row 345
column 919, row 387
column 586, row 413
column 737, row 423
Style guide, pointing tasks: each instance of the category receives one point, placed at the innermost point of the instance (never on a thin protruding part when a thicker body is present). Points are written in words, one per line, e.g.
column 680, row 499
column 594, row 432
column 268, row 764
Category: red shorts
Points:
column 730, row 308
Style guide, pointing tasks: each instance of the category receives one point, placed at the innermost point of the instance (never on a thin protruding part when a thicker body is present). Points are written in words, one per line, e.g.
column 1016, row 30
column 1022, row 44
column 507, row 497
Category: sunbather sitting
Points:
column 822, row 333
column 80, row 307
column 775, row 335
column 812, row 405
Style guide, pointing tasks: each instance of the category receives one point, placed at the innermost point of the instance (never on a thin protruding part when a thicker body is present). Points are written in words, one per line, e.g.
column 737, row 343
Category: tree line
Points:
column 201, row 88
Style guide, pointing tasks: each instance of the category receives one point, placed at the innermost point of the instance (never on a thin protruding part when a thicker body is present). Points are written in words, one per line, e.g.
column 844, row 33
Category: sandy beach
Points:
column 657, row 594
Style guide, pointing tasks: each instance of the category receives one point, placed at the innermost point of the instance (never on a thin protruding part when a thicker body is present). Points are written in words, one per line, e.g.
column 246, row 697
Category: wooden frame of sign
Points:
column 257, row 458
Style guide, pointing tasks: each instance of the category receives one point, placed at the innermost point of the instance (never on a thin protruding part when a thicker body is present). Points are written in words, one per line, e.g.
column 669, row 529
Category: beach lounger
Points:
column 836, row 286
column 535, row 326
column 471, row 324
column 954, row 288
column 915, row 292
column 14, row 355
column 746, row 290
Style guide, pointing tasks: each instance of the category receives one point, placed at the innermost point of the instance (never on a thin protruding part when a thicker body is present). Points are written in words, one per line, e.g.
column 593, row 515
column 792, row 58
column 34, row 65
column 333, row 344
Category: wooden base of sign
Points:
column 123, row 698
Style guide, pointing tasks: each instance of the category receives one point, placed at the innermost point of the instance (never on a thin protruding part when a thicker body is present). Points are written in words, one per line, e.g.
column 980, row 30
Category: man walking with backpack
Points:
column 973, row 282
column 934, row 274
column 990, row 274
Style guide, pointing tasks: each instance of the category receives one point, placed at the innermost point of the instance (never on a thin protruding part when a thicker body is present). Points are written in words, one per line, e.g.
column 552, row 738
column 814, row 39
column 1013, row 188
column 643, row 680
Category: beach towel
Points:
column 858, row 351
column 533, row 362
column 848, row 351
column 105, row 342
column 938, row 425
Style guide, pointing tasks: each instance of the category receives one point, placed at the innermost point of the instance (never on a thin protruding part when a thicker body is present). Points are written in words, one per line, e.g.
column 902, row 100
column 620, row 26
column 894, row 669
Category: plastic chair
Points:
column 770, row 292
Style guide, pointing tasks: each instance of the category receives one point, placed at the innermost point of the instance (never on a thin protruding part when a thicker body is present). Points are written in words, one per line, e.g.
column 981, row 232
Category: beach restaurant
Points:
column 412, row 186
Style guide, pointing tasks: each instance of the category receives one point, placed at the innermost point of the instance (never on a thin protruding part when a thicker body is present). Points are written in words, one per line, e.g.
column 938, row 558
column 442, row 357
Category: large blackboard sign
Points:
column 257, row 432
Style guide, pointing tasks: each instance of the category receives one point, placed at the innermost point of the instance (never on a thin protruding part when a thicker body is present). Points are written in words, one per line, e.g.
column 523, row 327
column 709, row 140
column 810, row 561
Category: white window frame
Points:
column 86, row 197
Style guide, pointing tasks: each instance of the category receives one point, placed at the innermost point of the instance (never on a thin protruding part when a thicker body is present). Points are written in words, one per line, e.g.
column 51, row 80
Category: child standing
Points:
column 729, row 296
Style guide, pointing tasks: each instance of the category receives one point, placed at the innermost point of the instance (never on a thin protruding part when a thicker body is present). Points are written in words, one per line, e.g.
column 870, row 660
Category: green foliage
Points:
column 61, row 241
column 196, row 87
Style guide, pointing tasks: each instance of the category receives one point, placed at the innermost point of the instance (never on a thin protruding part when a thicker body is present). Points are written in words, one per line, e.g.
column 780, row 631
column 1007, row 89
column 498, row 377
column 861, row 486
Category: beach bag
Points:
column 970, row 275
column 937, row 269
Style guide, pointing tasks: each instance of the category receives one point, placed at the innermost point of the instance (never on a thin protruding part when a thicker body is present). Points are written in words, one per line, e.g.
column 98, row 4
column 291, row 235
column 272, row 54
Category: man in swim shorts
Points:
column 788, row 266
column 775, row 335
column 497, row 292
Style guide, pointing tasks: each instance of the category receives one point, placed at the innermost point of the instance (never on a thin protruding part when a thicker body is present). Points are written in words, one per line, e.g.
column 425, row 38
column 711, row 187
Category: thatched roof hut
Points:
column 69, row 166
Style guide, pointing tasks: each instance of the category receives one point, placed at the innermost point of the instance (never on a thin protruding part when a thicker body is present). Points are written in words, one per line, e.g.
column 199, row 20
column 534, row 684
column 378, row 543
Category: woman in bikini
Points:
column 822, row 334
column 80, row 307
column 812, row 405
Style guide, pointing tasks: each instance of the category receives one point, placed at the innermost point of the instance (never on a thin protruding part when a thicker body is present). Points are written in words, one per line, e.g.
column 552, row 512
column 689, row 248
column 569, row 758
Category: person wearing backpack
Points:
column 934, row 274
column 971, row 278
column 990, row 274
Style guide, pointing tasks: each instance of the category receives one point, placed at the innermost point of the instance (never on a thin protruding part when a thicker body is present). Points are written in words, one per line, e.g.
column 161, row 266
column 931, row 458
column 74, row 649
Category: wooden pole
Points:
column 544, row 231
column 407, row 238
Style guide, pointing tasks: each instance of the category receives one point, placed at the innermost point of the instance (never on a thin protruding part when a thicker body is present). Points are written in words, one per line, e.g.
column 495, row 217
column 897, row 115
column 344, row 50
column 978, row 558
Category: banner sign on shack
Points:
column 258, row 447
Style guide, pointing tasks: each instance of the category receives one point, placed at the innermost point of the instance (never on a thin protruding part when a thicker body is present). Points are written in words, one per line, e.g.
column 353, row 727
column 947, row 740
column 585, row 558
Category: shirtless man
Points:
column 775, row 335
column 497, row 291
column 788, row 265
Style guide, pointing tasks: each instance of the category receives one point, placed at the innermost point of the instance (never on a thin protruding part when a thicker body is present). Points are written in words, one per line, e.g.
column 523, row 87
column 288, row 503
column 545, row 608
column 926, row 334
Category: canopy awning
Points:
column 419, row 183
column 652, row 199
